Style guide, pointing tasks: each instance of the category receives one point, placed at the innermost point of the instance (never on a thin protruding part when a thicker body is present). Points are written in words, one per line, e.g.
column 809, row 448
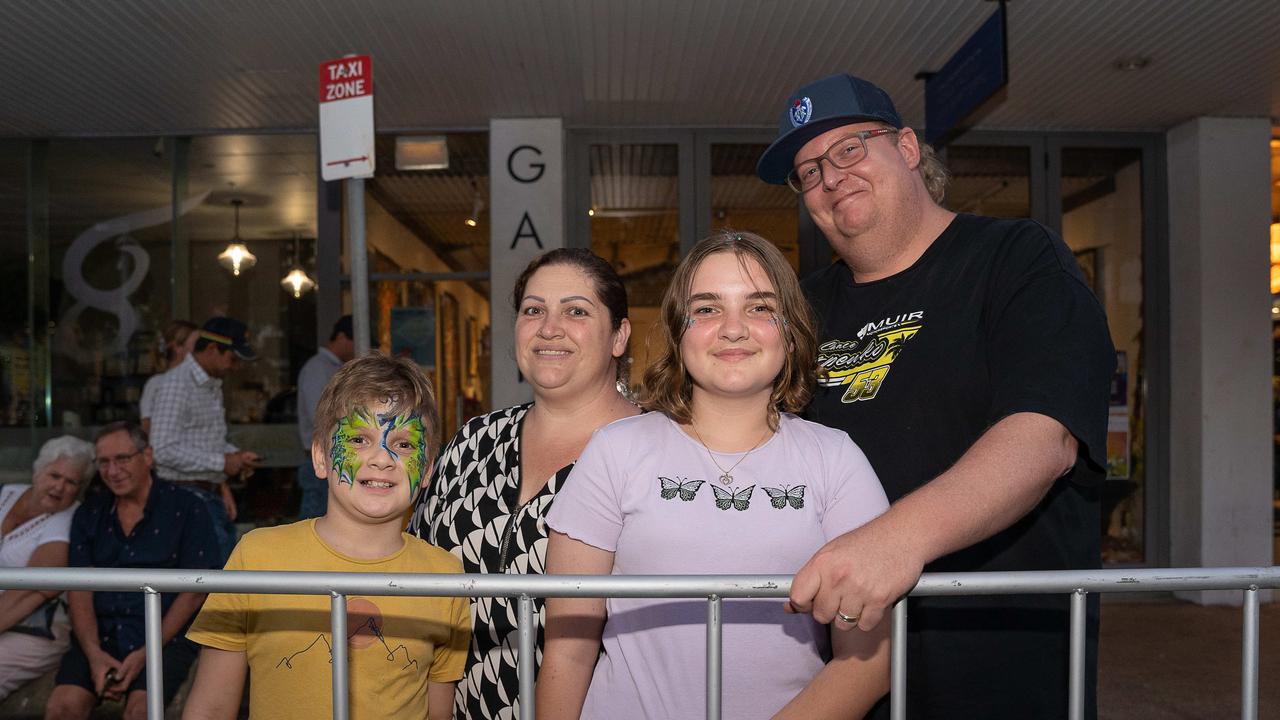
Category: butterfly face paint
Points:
column 401, row 437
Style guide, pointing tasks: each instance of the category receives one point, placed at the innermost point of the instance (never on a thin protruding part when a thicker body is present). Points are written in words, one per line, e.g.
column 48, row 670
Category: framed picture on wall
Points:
column 450, row 386
column 1090, row 262
column 413, row 335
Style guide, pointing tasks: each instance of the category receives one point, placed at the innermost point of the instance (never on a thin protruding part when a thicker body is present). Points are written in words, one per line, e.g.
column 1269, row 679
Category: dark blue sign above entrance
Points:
column 968, row 85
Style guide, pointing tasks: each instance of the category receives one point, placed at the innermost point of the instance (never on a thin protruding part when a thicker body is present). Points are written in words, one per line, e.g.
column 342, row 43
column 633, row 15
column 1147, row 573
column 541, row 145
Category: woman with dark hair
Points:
column 720, row 478
column 495, row 480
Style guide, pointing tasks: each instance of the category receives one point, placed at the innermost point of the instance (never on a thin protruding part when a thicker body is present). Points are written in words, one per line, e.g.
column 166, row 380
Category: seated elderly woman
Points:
column 35, row 521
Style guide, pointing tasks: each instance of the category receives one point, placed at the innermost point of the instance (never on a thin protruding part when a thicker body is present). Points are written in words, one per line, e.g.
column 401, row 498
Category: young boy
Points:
column 406, row 653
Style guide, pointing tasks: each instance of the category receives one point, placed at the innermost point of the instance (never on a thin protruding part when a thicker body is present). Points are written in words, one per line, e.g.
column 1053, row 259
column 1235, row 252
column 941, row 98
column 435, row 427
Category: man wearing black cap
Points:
column 970, row 362
column 312, row 379
column 189, row 424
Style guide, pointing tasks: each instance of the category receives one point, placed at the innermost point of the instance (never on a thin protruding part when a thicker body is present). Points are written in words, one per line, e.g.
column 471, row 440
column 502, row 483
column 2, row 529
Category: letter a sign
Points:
column 346, row 118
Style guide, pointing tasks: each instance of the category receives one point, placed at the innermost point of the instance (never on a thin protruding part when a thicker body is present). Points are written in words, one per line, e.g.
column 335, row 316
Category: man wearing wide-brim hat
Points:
column 968, row 359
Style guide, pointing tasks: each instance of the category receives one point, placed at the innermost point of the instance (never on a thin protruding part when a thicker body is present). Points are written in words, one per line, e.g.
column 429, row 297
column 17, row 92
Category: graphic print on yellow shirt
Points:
column 396, row 644
column 864, row 362
column 364, row 629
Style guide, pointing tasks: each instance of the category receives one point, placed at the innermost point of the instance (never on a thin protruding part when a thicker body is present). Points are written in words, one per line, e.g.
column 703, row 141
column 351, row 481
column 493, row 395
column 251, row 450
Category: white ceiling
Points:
column 151, row 67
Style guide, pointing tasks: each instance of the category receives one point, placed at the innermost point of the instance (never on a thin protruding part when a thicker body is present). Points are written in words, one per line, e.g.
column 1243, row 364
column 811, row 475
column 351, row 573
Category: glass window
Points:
column 447, row 209
column 419, row 224
column 274, row 179
column 109, row 237
column 1275, row 330
column 1102, row 223
column 444, row 327
column 741, row 201
column 15, row 362
column 989, row 180
column 635, row 225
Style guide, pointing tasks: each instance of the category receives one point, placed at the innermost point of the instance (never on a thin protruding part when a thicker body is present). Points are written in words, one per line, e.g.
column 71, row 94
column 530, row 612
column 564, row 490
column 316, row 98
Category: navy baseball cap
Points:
column 231, row 333
column 818, row 107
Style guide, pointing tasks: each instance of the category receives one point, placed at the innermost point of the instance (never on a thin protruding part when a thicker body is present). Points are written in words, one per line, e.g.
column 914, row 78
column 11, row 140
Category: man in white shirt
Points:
column 312, row 380
column 189, row 424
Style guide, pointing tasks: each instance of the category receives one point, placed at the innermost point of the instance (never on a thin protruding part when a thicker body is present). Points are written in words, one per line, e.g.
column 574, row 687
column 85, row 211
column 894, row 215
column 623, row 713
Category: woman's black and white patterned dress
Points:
column 471, row 508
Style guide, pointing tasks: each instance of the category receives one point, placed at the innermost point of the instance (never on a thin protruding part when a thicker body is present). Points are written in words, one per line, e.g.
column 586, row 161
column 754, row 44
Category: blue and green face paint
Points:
column 409, row 447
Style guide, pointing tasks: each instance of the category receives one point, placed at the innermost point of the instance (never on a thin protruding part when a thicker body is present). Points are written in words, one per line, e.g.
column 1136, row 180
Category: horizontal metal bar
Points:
column 625, row 586
column 357, row 583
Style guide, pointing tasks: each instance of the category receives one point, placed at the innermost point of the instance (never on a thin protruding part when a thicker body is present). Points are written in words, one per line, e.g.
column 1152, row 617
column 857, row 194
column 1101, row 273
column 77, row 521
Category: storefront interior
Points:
column 119, row 263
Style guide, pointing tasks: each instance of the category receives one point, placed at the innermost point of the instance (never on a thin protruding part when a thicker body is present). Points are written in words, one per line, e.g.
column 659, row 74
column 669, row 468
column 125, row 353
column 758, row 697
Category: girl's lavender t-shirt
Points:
column 651, row 494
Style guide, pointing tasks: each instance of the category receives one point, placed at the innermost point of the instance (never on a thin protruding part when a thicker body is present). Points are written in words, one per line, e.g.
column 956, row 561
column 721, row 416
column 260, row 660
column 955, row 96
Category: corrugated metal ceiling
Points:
column 156, row 66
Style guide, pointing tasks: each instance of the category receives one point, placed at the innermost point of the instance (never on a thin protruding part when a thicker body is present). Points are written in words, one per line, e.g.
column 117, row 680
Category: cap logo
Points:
column 801, row 111
column 216, row 337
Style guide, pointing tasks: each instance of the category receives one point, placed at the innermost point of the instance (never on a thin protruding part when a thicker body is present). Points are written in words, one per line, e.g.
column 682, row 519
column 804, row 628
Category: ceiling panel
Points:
column 155, row 66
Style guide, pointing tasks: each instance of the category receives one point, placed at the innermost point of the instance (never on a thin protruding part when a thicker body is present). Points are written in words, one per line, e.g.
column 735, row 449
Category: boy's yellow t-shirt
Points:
column 396, row 644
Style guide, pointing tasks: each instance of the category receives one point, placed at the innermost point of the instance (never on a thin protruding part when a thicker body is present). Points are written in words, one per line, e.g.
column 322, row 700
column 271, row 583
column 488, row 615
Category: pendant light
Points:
column 237, row 256
column 296, row 281
column 477, row 205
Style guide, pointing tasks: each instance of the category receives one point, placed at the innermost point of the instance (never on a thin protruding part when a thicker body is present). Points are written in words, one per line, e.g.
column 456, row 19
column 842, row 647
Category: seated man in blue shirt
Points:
column 143, row 522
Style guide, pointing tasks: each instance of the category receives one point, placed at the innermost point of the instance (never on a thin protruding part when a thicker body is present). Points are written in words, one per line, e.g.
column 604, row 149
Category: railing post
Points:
column 526, row 657
column 898, row 662
column 714, row 648
column 155, row 647
column 1075, row 700
column 338, row 631
column 1249, row 657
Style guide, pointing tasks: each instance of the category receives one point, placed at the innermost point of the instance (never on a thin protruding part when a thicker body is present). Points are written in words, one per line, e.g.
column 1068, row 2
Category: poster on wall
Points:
column 1118, row 444
column 413, row 335
column 1120, row 381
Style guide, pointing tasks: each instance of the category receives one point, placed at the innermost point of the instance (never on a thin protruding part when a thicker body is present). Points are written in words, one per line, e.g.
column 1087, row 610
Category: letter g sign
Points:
column 529, row 172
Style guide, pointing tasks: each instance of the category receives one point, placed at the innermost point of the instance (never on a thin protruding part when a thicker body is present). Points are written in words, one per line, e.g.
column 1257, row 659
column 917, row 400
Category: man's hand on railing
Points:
column 858, row 575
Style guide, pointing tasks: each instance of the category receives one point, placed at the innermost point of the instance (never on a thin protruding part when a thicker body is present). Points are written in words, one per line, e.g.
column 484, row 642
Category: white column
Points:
column 1220, row 333
column 526, row 218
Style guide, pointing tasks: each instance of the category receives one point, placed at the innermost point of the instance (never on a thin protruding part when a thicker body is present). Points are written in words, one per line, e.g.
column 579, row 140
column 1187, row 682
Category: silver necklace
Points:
column 726, row 476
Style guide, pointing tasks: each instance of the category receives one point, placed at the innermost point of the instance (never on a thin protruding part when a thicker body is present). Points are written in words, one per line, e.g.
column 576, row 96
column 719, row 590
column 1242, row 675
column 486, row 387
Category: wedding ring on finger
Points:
column 851, row 619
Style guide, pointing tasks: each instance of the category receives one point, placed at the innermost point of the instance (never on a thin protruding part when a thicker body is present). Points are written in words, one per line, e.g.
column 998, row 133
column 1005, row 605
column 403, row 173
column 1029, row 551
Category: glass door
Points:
column 1100, row 193
column 631, row 203
column 730, row 196
column 1102, row 199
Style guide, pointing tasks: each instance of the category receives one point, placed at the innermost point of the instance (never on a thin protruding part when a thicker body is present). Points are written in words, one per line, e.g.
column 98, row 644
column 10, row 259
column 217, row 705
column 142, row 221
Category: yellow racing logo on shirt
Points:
column 863, row 364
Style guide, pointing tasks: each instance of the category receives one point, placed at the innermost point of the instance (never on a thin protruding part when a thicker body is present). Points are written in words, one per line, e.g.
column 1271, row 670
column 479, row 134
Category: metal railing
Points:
column 1076, row 583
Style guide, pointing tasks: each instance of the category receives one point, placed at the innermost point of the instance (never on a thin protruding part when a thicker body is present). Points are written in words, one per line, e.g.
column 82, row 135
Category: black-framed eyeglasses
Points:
column 106, row 463
column 843, row 153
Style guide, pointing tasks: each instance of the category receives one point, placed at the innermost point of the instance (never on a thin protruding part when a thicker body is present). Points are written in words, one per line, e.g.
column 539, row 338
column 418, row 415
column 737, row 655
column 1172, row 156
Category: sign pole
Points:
column 359, row 263
column 347, row 153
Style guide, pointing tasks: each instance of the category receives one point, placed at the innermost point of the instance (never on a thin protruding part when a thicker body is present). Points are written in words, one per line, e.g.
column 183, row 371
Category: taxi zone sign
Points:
column 346, row 118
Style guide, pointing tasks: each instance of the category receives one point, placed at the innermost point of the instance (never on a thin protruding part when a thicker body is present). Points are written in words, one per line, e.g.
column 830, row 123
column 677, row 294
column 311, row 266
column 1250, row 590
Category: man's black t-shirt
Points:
column 994, row 319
